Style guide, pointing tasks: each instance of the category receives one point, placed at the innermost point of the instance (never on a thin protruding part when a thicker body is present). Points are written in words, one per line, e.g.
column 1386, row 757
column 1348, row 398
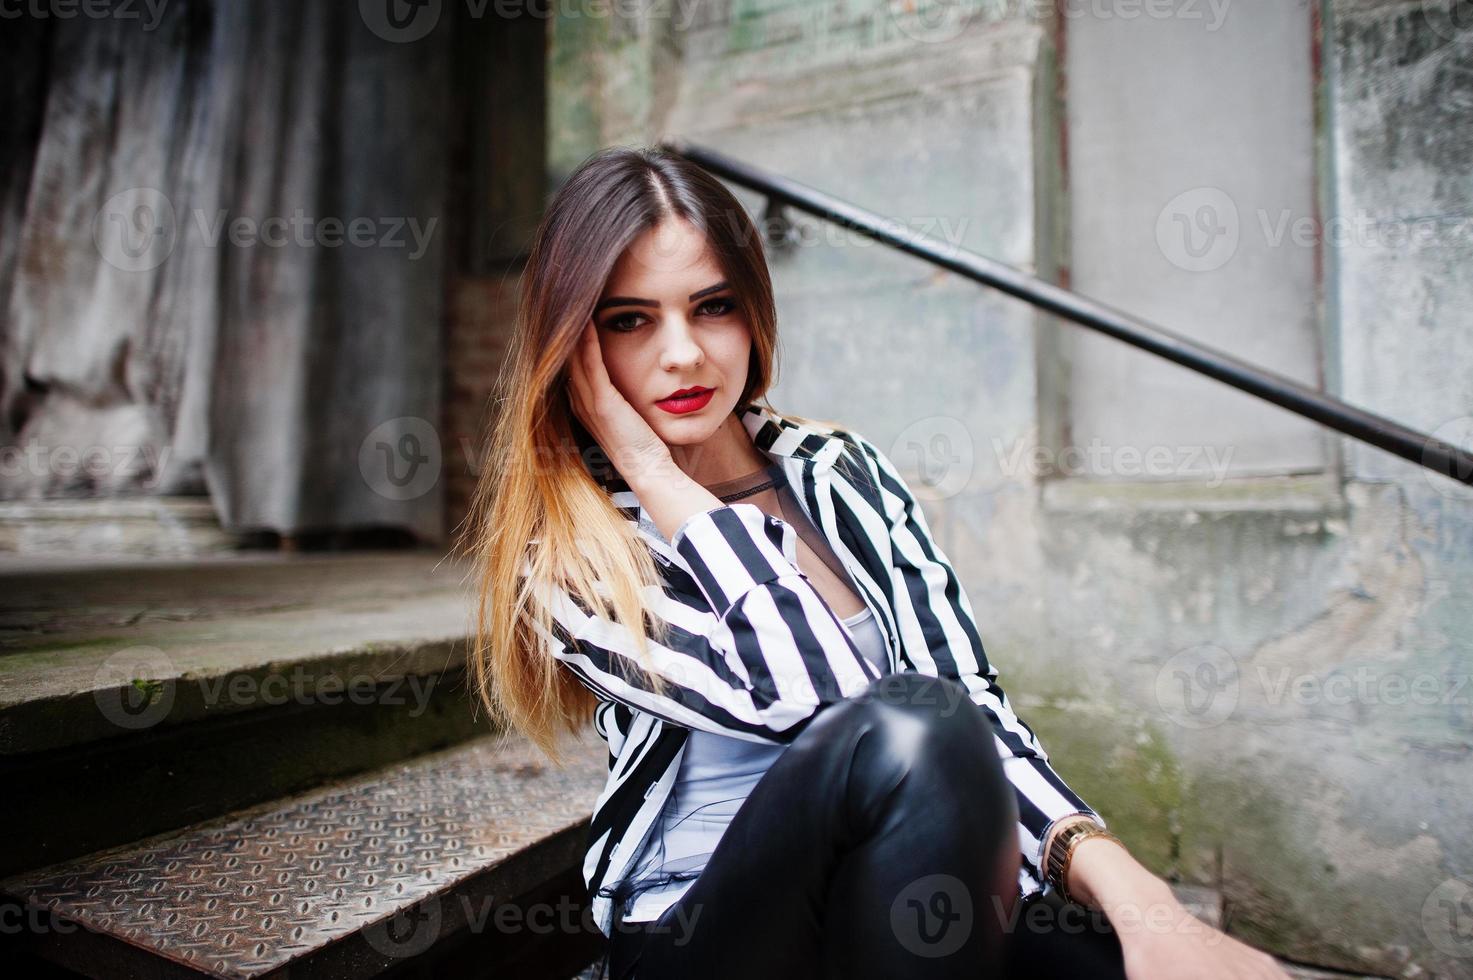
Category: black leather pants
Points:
column 881, row 843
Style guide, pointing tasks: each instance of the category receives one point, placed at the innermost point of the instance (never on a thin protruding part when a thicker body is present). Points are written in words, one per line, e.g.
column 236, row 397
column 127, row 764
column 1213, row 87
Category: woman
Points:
column 813, row 770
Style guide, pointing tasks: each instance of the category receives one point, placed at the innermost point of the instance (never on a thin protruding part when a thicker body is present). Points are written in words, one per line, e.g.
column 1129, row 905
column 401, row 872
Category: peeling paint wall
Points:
column 1262, row 683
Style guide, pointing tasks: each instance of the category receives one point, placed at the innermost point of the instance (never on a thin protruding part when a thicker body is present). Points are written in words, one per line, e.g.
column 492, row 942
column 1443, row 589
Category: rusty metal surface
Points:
column 242, row 896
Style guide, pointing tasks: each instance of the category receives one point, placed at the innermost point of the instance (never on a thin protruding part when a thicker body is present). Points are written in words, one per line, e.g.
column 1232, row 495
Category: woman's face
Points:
column 667, row 322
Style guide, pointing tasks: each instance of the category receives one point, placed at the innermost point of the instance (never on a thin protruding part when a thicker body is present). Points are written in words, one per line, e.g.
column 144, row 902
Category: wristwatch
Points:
column 1061, row 851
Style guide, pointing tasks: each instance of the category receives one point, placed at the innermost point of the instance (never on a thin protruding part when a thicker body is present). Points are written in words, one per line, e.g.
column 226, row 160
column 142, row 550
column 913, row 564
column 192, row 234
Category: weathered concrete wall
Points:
column 1261, row 683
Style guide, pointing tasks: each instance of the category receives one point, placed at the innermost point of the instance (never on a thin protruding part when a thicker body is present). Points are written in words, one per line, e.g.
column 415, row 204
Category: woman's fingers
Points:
column 587, row 378
column 578, row 375
column 625, row 436
column 583, row 362
column 598, row 375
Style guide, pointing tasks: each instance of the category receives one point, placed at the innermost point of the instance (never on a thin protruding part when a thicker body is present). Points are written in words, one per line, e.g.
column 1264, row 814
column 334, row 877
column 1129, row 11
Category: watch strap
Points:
column 1061, row 851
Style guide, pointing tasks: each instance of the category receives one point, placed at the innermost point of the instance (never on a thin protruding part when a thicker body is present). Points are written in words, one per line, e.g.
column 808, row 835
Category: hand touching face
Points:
column 623, row 434
column 667, row 323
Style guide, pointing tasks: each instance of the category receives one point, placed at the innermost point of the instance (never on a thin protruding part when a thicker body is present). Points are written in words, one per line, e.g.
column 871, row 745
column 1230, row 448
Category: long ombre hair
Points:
column 537, row 508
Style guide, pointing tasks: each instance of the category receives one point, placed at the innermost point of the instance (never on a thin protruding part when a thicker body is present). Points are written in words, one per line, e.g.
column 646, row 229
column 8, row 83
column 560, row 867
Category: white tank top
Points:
column 716, row 774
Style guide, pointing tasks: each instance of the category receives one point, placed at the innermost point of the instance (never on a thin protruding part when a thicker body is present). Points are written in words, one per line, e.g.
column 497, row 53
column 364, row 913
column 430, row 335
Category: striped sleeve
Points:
column 940, row 637
column 758, row 659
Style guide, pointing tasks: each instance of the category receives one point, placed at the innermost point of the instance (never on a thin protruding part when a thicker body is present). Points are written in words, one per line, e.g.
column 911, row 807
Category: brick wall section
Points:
column 478, row 331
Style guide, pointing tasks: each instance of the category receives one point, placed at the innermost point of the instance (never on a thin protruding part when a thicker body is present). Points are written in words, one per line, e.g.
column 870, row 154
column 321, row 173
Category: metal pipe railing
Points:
column 1442, row 457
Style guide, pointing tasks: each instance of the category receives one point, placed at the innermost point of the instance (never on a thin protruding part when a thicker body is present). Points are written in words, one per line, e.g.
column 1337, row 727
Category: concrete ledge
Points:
column 146, row 526
column 1310, row 495
column 103, row 650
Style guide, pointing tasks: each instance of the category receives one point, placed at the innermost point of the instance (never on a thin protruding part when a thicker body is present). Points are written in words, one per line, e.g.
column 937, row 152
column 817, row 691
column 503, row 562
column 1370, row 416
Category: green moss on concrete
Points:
column 1127, row 772
column 574, row 90
column 1224, row 828
column 1264, row 847
column 150, row 688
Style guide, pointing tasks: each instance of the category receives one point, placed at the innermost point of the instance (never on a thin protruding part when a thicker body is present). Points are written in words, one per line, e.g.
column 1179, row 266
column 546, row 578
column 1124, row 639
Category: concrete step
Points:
column 469, row 855
column 162, row 694
column 155, row 526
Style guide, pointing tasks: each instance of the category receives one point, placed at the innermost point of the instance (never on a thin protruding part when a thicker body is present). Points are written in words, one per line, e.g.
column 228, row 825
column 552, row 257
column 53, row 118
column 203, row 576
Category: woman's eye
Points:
column 625, row 322
column 622, row 324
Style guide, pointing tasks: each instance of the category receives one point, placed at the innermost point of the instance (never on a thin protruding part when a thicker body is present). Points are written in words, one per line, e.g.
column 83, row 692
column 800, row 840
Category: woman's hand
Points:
column 1177, row 945
column 1161, row 940
column 623, row 434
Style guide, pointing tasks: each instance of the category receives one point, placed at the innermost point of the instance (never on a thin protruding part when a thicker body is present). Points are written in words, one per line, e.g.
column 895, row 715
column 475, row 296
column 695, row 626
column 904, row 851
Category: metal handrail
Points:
column 1419, row 447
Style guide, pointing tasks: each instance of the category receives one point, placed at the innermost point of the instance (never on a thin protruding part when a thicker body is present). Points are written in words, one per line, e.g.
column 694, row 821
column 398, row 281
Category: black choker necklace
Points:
column 775, row 477
column 728, row 498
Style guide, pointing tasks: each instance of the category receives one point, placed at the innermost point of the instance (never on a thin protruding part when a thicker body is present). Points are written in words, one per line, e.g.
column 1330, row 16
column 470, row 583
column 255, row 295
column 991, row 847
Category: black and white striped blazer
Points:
column 755, row 653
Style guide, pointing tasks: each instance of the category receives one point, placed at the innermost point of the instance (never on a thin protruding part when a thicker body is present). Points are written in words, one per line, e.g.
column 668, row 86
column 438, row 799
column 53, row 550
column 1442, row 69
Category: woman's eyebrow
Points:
column 636, row 301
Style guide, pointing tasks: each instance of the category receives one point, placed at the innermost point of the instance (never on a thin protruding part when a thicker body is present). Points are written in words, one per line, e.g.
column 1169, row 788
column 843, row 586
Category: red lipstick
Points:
column 686, row 400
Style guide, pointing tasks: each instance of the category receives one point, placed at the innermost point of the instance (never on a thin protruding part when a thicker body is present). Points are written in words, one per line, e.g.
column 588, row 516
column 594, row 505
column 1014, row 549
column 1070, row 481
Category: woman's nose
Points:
column 679, row 348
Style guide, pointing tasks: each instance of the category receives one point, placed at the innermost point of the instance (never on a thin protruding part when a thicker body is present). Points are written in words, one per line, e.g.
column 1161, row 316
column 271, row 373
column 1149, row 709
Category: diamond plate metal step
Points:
column 168, row 693
column 348, row 880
